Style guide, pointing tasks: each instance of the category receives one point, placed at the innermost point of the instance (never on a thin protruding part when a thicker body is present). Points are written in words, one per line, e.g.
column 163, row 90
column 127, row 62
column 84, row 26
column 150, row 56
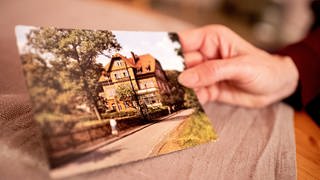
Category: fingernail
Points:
column 188, row 78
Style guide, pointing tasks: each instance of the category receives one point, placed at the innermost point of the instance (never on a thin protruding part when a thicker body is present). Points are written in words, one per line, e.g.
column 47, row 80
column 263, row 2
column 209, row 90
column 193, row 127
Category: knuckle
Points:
column 217, row 28
column 207, row 73
column 211, row 68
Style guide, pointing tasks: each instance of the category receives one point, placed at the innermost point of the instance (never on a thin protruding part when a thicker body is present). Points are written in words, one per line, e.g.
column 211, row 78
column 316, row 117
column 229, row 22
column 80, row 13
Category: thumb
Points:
column 212, row 71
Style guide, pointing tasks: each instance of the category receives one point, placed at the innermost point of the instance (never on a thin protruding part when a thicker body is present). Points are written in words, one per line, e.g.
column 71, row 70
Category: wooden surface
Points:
column 252, row 144
column 307, row 135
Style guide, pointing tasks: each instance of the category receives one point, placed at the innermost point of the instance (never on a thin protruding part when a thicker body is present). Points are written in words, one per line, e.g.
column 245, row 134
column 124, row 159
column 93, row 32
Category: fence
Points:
column 67, row 139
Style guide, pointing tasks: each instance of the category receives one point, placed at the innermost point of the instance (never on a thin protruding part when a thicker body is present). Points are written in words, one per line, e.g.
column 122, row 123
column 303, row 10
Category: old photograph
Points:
column 104, row 98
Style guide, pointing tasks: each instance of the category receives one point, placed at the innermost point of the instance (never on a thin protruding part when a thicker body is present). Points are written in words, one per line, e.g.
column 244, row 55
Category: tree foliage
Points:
column 125, row 92
column 177, row 90
column 175, row 38
column 61, row 67
column 190, row 99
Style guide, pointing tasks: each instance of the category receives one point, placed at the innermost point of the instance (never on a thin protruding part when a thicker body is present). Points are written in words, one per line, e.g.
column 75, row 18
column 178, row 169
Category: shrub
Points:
column 124, row 113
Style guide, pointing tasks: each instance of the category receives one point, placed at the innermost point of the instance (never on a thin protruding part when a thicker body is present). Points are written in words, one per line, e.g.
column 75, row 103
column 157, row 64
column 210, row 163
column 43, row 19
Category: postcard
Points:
column 104, row 98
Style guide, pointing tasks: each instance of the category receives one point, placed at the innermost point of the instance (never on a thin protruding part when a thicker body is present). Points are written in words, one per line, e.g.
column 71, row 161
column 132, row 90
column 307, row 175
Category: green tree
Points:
column 125, row 92
column 71, row 54
column 175, row 39
column 190, row 99
column 177, row 90
column 41, row 82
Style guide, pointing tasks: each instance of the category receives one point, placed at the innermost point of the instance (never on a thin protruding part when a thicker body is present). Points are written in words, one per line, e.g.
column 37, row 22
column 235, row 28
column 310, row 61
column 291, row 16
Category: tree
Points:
column 41, row 82
column 191, row 100
column 175, row 38
column 176, row 90
column 72, row 54
column 125, row 92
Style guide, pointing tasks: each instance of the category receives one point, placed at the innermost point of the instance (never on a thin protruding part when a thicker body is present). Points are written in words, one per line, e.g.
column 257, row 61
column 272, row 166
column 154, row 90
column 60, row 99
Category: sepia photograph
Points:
column 104, row 98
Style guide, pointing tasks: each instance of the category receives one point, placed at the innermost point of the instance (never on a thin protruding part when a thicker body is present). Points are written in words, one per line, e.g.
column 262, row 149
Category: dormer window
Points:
column 148, row 68
column 139, row 70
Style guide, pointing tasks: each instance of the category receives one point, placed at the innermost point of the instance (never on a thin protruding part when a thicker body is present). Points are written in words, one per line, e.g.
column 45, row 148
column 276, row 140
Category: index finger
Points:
column 205, row 40
column 191, row 40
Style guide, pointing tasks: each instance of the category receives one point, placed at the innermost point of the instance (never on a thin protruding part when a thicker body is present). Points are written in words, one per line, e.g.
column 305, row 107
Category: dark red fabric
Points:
column 306, row 55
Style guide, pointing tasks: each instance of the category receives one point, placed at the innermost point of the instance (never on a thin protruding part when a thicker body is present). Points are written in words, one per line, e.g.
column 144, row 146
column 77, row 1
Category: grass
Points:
column 195, row 130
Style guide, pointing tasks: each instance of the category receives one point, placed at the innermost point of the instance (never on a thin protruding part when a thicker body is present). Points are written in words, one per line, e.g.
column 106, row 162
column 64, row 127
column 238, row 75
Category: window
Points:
column 160, row 86
column 150, row 99
column 116, row 75
column 139, row 70
column 146, row 100
column 112, row 92
column 151, row 84
column 125, row 74
column 126, row 104
column 113, row 106
column 148, row 68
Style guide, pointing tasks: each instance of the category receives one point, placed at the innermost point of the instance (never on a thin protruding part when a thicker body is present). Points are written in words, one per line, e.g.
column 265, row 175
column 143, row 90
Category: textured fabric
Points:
column 252, row 144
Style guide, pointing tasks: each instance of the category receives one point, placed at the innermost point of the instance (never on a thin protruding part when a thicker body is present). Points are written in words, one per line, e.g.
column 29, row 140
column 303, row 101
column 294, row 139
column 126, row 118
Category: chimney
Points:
column 135, row 57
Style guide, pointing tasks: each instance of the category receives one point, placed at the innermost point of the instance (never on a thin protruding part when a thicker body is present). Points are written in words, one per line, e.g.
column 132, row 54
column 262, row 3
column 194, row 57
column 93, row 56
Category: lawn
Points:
column 196, row 129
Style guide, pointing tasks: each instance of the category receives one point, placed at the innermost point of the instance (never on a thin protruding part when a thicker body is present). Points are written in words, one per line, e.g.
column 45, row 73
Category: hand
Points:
column 223, row 67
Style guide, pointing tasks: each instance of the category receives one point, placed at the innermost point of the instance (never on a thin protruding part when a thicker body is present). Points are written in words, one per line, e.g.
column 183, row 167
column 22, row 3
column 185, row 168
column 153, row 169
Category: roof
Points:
column 144, row 64
column 129, row 62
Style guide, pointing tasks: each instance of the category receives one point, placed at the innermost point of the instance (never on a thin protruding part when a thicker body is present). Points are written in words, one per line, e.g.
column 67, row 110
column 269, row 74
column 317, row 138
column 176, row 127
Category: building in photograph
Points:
column 141, row 75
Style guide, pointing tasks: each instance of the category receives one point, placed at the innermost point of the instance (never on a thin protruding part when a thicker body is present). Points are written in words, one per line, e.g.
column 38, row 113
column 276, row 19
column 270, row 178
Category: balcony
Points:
column 145, row 91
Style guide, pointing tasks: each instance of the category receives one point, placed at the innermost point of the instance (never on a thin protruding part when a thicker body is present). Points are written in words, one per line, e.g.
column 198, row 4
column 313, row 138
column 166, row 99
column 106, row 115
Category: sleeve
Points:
column 306, row 56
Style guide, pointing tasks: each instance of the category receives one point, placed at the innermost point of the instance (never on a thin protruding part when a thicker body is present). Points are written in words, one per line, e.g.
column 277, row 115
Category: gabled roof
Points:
column 117, row 55
column 144, row 63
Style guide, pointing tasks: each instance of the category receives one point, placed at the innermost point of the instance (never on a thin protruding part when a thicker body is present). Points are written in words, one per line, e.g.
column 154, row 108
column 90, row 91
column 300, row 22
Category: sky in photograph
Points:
column 21, row 33
column 157, row 44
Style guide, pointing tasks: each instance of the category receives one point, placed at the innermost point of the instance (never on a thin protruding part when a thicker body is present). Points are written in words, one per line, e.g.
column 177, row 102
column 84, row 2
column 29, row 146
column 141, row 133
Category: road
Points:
column 130, row 148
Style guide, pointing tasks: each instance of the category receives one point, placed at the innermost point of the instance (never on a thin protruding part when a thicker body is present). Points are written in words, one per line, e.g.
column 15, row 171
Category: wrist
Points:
column 290, row 73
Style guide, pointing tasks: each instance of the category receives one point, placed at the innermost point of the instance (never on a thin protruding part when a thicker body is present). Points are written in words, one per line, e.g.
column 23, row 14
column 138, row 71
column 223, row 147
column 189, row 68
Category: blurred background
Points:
column 269, row 24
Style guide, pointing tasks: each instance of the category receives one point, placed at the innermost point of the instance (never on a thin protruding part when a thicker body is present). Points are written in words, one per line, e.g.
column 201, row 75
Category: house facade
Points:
column 141, row 75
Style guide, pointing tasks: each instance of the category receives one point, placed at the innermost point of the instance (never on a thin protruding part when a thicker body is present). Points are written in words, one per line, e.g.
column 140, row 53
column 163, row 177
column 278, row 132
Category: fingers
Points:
column 193, row 58
column 204, row 40
column 191, row 40
column 212, row 71
column 207, row 94
column 224, row 93
column 214, row 42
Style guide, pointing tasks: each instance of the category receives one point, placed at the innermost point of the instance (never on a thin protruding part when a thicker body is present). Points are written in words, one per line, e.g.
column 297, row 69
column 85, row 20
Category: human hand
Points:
column 223, row 67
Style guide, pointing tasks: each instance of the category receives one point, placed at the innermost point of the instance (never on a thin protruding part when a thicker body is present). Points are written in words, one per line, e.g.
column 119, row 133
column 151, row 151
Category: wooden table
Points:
column 307, row 135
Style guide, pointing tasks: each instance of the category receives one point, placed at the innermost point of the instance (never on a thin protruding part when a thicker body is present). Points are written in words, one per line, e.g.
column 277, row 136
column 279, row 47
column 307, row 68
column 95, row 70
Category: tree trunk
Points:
column 86, row 86
column 97, row 113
